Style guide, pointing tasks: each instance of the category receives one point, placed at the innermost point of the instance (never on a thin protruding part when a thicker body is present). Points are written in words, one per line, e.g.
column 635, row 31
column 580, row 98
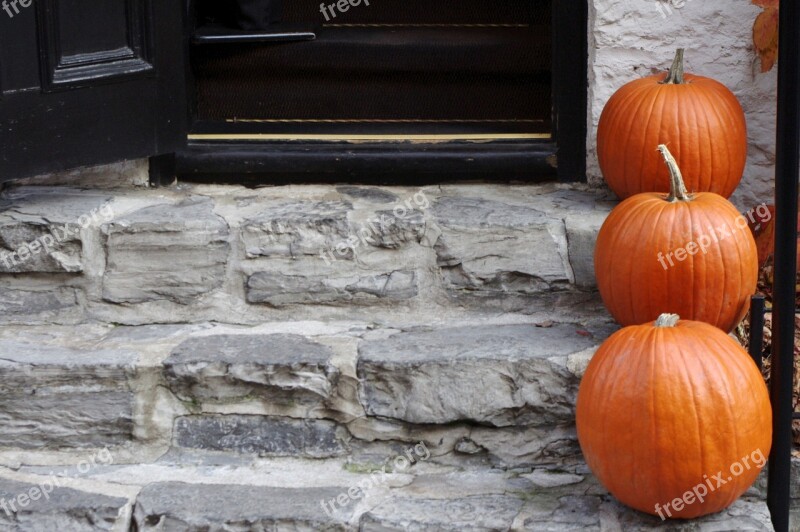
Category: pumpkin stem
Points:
column 667, row 320
column 675, row 76
column 677, row 188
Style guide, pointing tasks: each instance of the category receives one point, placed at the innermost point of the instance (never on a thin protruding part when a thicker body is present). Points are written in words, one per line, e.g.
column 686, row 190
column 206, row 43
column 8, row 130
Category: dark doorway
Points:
column 383, row 67
column 386, row 88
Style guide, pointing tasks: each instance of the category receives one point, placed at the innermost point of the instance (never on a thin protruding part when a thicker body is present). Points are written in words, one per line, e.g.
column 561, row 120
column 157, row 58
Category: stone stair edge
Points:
column 560, row 498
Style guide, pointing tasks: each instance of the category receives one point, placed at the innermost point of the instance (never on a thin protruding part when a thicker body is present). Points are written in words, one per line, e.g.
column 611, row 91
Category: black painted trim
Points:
column 388, row 163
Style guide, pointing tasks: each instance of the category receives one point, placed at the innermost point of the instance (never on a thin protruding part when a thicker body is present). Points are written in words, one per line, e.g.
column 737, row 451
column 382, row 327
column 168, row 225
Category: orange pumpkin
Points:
column 684, row 254
column 672, row 412
column 698, row 117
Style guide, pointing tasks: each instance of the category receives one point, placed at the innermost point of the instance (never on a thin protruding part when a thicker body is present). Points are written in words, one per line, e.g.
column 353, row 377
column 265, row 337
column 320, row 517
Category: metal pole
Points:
column 756, row 343
column 787, row 168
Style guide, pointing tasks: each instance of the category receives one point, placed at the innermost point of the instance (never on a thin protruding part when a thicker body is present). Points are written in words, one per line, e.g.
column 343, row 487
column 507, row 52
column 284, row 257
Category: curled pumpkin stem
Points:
column 677, row 188
column 667, row 320
column 675, row 76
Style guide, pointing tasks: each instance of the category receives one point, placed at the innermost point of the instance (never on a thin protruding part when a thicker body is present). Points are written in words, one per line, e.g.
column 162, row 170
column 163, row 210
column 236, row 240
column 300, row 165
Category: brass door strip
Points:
column 356, row 137
column 375, row 121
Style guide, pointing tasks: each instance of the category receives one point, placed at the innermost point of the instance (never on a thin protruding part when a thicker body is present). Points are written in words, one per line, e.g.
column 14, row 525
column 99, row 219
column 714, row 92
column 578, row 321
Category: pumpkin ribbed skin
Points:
column 700, row 120
column 633, row 248
column 664, row 409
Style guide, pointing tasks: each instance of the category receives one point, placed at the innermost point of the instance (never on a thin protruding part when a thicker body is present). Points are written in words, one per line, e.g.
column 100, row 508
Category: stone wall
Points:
column 633, row 38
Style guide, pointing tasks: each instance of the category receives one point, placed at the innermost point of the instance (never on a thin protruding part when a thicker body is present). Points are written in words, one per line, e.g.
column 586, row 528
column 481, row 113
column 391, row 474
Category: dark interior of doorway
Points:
column 388, row 68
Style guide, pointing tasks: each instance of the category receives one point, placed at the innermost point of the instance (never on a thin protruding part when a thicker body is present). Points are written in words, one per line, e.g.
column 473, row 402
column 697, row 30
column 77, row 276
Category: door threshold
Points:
column 314, row 137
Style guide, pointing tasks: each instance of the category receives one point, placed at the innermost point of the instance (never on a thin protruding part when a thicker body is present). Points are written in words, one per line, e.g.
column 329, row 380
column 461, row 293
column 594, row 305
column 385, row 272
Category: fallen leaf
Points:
column 765, row 33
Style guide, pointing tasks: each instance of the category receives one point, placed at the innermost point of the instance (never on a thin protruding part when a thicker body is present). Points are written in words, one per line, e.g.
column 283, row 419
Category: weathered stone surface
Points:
column 471, row 514
column 528, row 446
column 492, row 247
column 373, row 194
column 393, row 228
column 56, row 397
column 40, row 228
column 291, row 229
column 20, row 305
column 582, row 229
column 501, row 375
column 286, row 369
column 180, row 507
column 262, row 435
column 61, row 509
column 165, row 252
column 41, row 248
column 279, row 289
column 597, row 511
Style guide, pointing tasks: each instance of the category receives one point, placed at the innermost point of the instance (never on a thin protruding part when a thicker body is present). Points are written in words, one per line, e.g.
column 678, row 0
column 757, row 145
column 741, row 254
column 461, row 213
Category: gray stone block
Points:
column 166, row 252
column 40, row 228
column 582, row 232
column 57, row 397
column 278, row 289
column 291, row 229
column 372, row 194
column 479, row 513
column 25, row 305
column 61, row 509
column 286, row 369
column 40, row 248
column 501, row 375
column 492, row 247
column 180, row 507
column 262, row 435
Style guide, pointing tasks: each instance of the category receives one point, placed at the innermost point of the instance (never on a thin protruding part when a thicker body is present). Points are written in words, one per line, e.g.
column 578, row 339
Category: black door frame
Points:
column 563, row 157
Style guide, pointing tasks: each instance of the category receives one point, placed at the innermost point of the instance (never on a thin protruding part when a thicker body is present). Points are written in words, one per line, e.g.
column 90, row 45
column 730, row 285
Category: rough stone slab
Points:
column 527, row 446
column 494, row 247
column 262, row 435
column 25, row 305
column 290, row 229
column 48, row 221
column 278, row 289
column 166, row 252
column 287, row 369
column 582, row 232
column 59, row 397
column 475, row 501
column 40, row 248
column 501, row 375
column 470, row 514
column 371, row 194
column 391, row 229
column 62, row 509
column 180, row 507
column 597, row 511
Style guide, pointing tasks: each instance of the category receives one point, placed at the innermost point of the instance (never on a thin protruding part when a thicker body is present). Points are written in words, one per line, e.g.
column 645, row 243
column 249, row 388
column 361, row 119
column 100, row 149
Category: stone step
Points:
column 212, row 492
column 199, row 253
column 490, row 388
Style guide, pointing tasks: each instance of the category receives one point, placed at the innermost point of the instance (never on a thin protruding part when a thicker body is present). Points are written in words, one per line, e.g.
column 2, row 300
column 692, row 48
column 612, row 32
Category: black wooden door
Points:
column 86, row 82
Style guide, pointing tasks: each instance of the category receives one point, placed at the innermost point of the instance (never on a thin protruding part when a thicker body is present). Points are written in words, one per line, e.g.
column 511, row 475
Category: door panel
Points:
column 85, row 82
